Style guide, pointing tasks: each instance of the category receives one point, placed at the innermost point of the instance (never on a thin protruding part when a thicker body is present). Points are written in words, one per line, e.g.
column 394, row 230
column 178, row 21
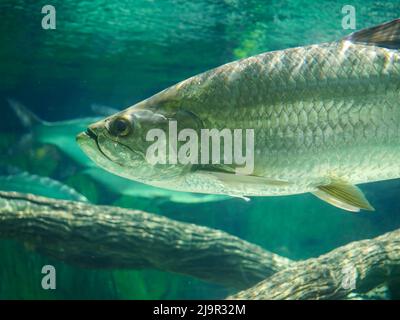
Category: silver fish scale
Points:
column 317, row 111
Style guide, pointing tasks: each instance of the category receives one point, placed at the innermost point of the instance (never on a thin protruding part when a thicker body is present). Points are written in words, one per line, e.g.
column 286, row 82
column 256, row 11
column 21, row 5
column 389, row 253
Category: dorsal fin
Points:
column 385, row 35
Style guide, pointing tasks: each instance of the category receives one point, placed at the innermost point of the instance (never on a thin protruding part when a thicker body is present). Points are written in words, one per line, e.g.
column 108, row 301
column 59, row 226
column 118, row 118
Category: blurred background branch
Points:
column 110, row 237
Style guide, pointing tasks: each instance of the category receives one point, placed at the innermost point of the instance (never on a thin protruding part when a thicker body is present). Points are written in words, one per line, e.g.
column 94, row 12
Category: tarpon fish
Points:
column 326, row 117
column 14, row 179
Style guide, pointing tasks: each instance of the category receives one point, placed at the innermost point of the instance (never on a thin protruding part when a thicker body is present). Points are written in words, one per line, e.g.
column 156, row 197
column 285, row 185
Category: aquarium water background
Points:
column 115, row 53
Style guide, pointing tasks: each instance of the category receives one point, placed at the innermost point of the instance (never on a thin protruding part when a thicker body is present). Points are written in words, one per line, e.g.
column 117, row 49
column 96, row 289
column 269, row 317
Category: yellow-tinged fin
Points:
column 343, row 195
column 386, row 35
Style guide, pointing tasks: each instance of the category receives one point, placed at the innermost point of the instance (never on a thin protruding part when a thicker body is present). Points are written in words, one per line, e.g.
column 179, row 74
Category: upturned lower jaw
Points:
column 91, row 134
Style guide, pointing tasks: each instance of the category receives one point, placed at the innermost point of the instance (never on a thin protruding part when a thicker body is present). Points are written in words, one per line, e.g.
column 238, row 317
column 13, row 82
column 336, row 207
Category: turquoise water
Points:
column 115, row 53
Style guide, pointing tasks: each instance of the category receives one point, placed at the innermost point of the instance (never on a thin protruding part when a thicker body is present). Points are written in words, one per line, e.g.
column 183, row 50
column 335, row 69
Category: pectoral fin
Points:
column 233, row 178
column 343, row 195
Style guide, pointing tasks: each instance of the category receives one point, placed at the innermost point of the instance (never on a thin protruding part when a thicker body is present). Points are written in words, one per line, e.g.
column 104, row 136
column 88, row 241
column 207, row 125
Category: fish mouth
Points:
column 90, row 134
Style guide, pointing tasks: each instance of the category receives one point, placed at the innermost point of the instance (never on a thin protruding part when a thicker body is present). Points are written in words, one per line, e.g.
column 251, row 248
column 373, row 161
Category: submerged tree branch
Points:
column 369, row 262
column 110, row 237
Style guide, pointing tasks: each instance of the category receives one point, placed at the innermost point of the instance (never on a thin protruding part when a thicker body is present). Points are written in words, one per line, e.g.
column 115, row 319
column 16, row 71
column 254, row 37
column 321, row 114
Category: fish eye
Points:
column 120, row 127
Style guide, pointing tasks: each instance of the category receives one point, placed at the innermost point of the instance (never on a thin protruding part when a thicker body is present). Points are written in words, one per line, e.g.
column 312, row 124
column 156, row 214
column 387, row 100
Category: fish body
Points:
column 319, row 111
column 138, row 190
column 325, row 117
column 22, row 181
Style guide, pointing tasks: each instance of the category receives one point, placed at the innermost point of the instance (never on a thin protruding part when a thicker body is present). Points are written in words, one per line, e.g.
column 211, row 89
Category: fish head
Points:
column 120, row 143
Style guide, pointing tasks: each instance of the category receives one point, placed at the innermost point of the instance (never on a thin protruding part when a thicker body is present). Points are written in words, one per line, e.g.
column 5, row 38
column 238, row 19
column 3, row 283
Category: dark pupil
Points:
column 120, row 126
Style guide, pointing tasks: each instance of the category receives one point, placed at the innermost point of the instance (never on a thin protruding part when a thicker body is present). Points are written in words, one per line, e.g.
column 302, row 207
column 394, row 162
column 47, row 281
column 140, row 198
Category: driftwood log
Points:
column 357, row 267
column 109, row 237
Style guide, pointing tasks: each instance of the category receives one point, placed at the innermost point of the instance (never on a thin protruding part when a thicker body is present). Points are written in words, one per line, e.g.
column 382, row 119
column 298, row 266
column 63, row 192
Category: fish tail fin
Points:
column 28, row 118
